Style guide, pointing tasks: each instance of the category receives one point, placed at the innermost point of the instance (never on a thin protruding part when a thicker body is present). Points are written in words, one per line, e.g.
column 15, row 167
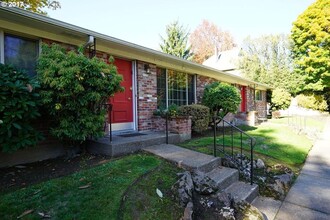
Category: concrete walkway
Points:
column 309, row 197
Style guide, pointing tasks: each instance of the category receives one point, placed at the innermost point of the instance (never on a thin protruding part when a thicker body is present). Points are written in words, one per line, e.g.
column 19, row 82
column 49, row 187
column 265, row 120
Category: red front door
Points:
column 122, row 110
column 243, row 97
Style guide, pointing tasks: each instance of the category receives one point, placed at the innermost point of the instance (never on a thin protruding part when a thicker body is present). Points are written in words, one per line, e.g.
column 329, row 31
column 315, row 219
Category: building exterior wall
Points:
column 201, row 82
column 146, row 96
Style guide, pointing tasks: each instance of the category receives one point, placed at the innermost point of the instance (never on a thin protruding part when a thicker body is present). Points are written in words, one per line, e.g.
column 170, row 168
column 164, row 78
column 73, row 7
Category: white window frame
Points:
column 2, row 47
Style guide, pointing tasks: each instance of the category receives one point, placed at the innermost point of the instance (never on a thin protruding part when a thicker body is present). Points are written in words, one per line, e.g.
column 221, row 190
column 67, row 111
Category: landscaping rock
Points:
column 188, row 211
column 260, row 164
column 204, row 185
column 284, row 180
column 184, row 186
column 227, row 213
column 247, row 211
column 224, row 198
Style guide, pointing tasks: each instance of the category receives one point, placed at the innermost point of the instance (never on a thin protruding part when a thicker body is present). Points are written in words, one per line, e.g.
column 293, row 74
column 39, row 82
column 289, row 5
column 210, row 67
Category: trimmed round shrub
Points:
column 221, row 98
column 200, row 116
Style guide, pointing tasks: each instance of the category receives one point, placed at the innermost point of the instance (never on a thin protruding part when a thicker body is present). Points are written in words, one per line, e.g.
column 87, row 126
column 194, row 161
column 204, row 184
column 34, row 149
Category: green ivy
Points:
column 19, row 103
column 74, row 88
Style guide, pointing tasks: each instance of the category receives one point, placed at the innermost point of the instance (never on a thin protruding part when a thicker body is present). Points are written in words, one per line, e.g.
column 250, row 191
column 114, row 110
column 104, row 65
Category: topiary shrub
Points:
column 74, row 88
column 221, row 98
column 312, row 101
column 19, row 103
column 200, row 116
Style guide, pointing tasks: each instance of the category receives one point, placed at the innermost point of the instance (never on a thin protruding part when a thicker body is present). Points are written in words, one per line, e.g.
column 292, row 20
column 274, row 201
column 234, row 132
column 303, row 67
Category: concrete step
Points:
column 243, row 191
column 223, row 176
column 185, row 158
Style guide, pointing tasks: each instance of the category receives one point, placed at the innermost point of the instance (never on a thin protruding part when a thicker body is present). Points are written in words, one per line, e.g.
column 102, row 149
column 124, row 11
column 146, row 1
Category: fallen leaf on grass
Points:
column 85, row 186
column 36, row 192
column 25, row 213
column 129, row 171
column 44, row 215
column 159, row 193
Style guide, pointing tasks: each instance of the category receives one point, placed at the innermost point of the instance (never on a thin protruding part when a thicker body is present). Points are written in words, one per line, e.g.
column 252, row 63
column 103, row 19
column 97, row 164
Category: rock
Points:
column 184, row 186
column 224, row 198
column 204, row 185
column 188, row 211
column 227, row 213
column 260, row 164
column 284, row 180
column 247, row 211
column 278, row 189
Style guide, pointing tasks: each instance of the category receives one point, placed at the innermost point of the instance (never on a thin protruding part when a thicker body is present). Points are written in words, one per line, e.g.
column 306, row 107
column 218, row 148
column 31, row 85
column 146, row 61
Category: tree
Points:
column 311, row 46
column 267, row 59
column 281, row 99
column 33, row 5
column 73, row 89
column 221, row 98
column 207, row 38
column 176, row 41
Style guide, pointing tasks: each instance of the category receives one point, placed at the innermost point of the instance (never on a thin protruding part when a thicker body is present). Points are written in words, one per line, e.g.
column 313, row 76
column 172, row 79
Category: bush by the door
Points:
column 74, row 88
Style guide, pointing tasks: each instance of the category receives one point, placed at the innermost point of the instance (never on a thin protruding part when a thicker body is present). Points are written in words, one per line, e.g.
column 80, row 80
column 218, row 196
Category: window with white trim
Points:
column 22, row 53
column 258, row 95
column 175, row 87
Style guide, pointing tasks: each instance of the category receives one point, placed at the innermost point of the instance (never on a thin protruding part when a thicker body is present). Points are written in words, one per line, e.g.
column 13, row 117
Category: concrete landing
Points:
column 188, row 159
column 267, row 206
column 122, row 144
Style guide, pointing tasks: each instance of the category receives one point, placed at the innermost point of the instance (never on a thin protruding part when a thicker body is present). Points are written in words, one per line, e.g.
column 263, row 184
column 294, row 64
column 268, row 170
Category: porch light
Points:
column 147, row 68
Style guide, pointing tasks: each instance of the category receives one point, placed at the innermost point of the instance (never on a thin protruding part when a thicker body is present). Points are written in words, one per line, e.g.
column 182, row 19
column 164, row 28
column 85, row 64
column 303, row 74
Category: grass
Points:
column 101, row 197
column 311, row 122
column 274, row 143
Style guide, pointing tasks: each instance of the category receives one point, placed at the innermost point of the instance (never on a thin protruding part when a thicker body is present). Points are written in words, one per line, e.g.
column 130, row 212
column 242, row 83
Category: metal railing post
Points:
column 166, row 122
column 214, row 137
column 251, row 147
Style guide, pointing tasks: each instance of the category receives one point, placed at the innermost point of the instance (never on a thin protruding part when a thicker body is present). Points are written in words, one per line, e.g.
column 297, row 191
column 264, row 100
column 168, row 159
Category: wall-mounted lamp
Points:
column 147, row 68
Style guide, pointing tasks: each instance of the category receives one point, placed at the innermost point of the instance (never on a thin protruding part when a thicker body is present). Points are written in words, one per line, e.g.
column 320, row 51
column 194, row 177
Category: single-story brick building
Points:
column 151, row 78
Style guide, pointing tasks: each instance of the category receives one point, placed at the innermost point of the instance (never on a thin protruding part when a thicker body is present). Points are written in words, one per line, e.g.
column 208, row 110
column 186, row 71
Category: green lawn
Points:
column 309, row 122
column 97, row 193
column 275, row 143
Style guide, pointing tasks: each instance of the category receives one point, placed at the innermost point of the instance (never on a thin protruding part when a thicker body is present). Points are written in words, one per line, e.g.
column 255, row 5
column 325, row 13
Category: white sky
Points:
column 143, row 21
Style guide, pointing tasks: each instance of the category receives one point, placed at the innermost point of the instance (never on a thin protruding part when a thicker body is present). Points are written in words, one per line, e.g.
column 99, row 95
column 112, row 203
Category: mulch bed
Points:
column 20, row 176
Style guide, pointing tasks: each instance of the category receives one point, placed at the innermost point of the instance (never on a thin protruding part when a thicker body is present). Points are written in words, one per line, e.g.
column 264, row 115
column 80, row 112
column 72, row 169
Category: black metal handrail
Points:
column 252, row 142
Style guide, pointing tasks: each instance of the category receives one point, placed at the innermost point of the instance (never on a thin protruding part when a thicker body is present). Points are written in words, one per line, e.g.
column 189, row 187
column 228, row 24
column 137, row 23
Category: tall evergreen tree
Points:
column 311, row 46
column 176, row 41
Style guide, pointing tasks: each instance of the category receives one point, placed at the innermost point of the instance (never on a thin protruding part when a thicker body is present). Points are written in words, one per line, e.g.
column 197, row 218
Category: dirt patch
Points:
column 20, row 176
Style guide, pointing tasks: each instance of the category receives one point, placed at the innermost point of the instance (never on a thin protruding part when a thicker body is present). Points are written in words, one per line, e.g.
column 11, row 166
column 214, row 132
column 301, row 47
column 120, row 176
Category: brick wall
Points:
column 179, row 125
column 201, row 82
column 146, row 96
column 261, row 106
column 250, row 99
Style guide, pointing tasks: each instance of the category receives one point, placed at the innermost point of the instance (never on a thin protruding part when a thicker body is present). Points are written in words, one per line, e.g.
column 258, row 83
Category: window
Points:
column 258, row 95
column 22, row 53
column 175, row 88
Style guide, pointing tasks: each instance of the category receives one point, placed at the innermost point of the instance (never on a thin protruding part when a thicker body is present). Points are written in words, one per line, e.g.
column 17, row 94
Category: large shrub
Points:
column 74, row 88
column 221, row 98
column 312, row 101
column 281, row 99
column 19, row 103
column 200, row 116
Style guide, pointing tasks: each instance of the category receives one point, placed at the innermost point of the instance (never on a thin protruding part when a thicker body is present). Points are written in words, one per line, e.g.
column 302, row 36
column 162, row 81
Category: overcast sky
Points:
column 143, row 21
